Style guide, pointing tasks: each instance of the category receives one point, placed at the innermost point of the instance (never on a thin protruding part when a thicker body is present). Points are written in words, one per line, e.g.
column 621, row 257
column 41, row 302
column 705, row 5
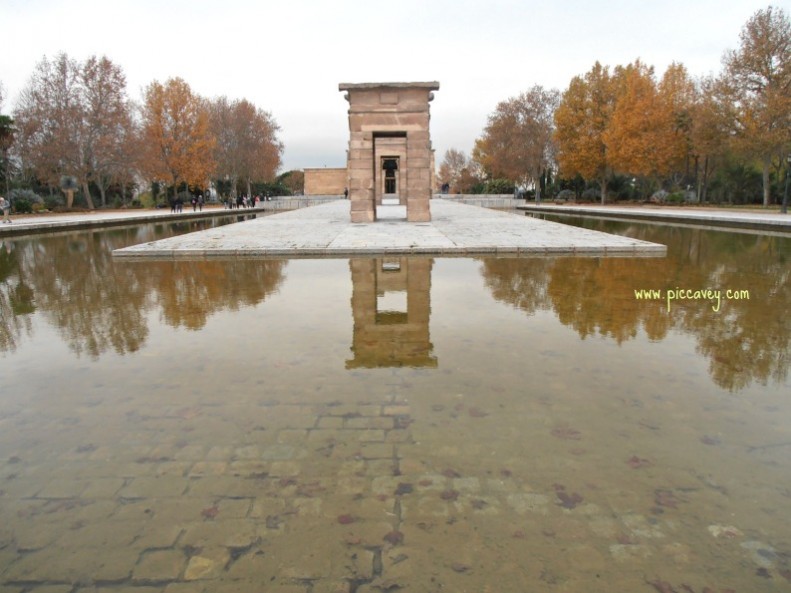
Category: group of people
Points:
column 243, row 201
column 177, row 204
column 197, row 203
column 5, row 206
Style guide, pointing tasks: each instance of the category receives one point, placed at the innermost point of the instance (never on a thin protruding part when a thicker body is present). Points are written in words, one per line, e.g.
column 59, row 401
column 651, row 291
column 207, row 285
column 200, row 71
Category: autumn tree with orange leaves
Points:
column 452, row 168
column 677, row 95
column 177, row 140
column 581, row 122
column 462, row 174
column 517, row 143
column 709, row 130
column 645, row 135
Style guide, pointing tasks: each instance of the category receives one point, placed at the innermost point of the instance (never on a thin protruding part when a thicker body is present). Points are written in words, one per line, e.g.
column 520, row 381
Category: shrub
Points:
column 591, row 193
column 145, row 199
column 499, row 186
column 54, row 201
column 566, row 194
column 676, row 197
column 22, row 205
column 135, row 203
column 659, row 197
column 20, row 197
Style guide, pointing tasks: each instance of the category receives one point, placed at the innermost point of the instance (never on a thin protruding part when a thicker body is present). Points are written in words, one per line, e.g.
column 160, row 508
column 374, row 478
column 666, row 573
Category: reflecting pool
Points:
column 415, row 424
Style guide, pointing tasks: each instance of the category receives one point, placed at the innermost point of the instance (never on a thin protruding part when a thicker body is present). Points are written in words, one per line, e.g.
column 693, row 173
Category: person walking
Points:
column 5, row 206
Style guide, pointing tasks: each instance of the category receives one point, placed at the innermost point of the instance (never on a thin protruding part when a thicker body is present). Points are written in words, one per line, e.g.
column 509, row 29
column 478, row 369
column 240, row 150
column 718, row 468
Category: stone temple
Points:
column 390, row 157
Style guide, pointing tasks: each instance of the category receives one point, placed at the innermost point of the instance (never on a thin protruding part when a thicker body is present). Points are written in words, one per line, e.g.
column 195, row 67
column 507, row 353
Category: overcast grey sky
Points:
column 288, row 56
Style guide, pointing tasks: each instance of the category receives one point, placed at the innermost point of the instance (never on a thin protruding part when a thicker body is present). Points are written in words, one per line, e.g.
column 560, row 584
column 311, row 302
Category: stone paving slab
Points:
column 455, row 229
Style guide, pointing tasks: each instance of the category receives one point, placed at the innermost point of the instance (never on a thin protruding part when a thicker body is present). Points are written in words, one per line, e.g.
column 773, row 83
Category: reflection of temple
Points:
column 391, row 304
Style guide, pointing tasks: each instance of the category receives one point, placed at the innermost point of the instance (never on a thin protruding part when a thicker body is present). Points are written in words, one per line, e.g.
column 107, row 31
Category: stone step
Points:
column 391, row 202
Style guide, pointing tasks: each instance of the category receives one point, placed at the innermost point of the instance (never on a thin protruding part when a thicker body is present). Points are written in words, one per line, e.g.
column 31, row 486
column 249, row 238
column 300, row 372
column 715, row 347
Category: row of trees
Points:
column 625, row 123
column 75, row 121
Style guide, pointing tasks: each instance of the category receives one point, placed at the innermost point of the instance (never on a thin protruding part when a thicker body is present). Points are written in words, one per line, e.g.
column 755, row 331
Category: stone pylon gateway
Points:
column 390, row 156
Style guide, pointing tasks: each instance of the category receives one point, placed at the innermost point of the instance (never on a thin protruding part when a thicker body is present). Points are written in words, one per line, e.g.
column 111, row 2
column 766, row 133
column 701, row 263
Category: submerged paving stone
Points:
column 454, row 229
column 160, row 565
column 209, row 564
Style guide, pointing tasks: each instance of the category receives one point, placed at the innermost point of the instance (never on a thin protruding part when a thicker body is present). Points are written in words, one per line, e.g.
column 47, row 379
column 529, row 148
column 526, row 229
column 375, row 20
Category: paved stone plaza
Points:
column 455, row 229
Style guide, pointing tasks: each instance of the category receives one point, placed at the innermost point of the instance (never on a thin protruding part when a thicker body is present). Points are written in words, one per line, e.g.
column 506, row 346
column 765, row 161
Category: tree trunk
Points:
column 87, row 193
column 697, row 176
column 767, row 186
column 103, row 194
column 705, row 191
column 249, row 188
column 603, row 184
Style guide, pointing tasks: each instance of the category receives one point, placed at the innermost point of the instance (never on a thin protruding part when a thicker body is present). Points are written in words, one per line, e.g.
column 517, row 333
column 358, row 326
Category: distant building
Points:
column 325, row 182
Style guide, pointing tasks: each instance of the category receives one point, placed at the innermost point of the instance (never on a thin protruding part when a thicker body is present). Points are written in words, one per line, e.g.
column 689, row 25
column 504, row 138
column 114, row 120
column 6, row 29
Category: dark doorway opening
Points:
column 390, row 166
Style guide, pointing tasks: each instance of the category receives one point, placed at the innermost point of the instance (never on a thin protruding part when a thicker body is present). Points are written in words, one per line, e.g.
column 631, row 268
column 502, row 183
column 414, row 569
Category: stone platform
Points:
column 455, row 229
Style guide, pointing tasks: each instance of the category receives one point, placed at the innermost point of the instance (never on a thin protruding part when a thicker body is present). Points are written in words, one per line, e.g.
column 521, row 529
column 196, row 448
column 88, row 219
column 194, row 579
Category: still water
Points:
column 415, row 424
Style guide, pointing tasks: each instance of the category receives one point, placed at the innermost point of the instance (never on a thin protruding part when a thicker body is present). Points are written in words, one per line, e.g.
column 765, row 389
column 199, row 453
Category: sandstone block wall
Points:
column 325, row 182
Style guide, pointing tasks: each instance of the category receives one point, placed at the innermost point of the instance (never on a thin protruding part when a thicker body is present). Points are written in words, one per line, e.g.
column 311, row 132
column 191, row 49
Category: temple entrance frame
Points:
column 389, row 122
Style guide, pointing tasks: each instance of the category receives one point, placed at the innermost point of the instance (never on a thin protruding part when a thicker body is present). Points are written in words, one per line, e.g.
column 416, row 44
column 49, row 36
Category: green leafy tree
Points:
column 6, row 140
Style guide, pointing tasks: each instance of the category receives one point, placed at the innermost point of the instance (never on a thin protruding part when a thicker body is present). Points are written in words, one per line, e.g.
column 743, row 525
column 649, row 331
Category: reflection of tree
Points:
column 98, row 304
column 745, row 341
column 749, row 339
column 190, row 291
column 16, row 301
column 597, row 296
column 591, row 295
column 520, row 282
column 95, row 305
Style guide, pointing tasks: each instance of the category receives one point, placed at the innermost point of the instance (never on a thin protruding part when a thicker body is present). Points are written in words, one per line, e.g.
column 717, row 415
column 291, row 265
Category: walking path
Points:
column 455, row 229
column 42, row 223
column 769, row 220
